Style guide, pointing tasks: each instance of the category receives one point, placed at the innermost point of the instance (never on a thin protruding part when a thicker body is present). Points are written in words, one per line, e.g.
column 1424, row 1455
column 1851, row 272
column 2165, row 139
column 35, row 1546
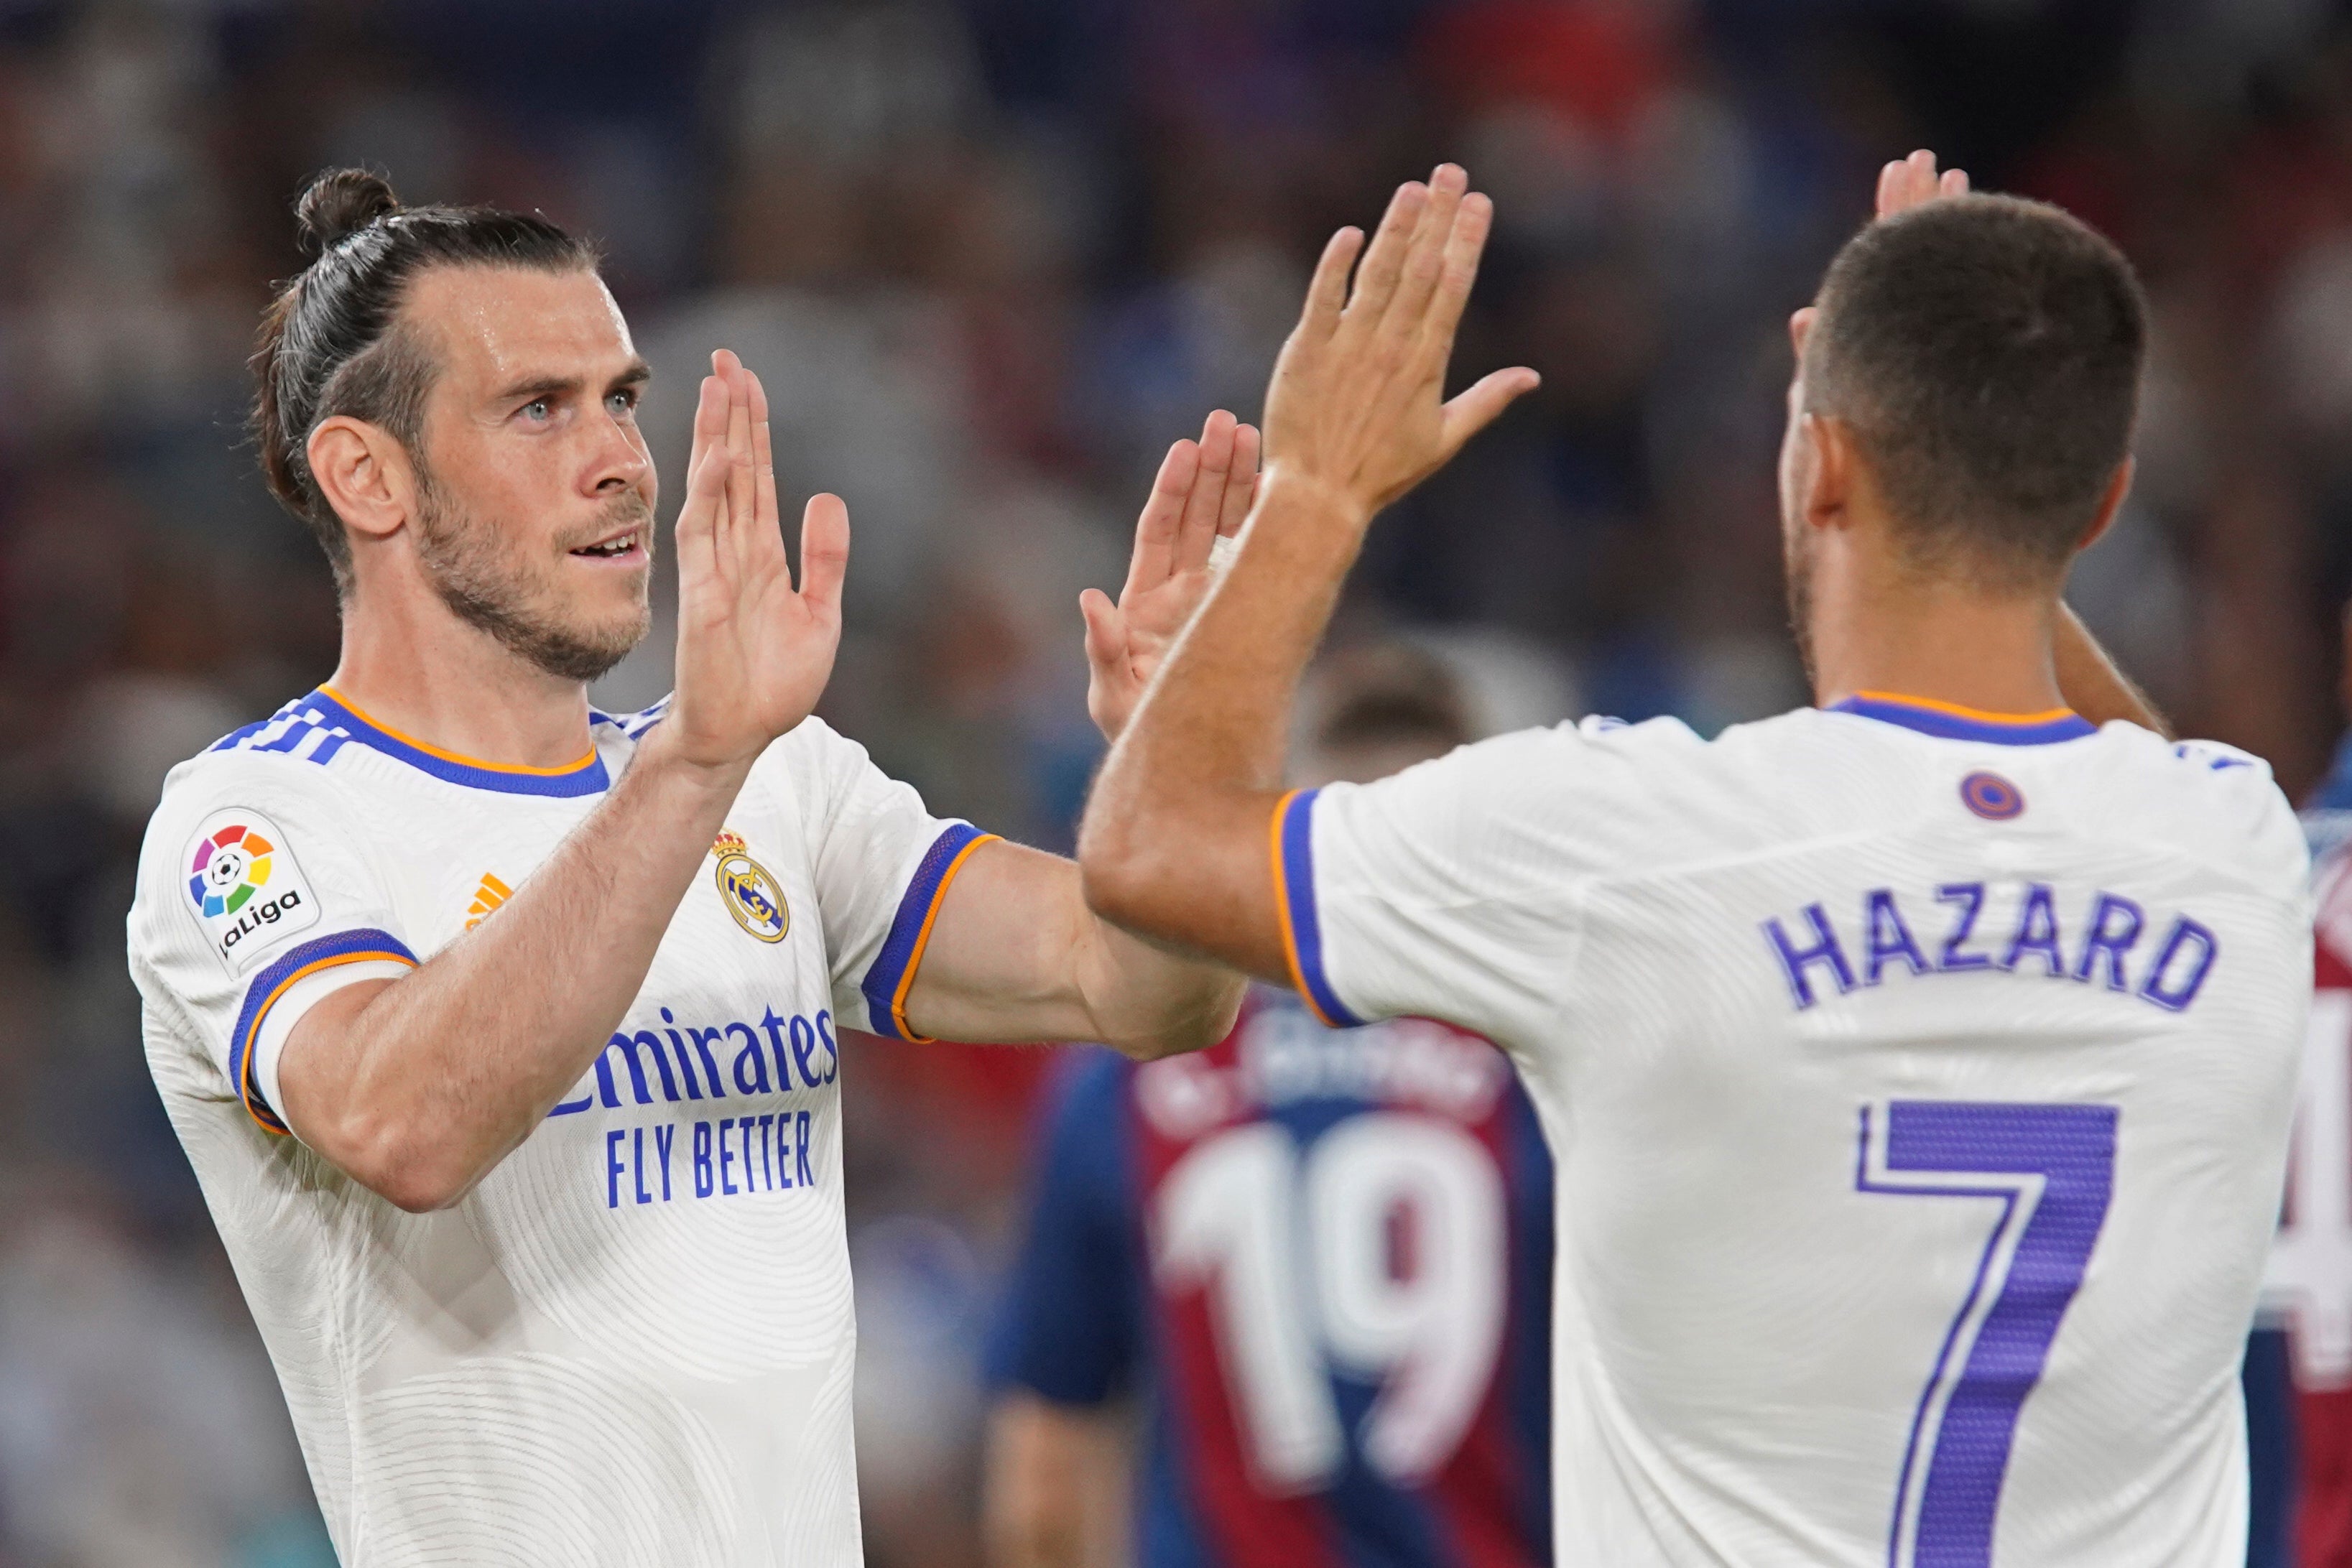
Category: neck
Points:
column 414, row 667
column 1878, row 628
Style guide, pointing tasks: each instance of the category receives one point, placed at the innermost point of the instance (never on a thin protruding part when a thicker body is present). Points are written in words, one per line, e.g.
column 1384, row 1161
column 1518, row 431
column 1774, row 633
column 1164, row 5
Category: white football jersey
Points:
column 632, row 1344
column 1920, row 1084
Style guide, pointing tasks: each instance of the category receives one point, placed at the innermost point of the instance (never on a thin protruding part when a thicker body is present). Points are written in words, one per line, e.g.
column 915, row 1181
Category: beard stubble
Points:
column 490, row 592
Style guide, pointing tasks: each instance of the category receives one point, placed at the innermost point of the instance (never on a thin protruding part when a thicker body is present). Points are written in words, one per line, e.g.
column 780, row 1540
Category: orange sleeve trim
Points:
column 923, row 940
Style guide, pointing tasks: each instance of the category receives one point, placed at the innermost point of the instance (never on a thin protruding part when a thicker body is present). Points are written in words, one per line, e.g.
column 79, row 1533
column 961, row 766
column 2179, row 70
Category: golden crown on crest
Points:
column 728, row 842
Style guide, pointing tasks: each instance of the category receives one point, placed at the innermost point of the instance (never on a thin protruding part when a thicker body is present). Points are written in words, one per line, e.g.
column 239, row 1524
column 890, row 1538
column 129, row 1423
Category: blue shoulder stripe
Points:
column 1302, row 929
column 892, row 974
column 355, row 946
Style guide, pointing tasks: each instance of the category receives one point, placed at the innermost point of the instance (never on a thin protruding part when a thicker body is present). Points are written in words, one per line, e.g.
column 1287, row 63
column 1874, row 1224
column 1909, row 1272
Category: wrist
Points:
column 1308, row 494
column 663, row 757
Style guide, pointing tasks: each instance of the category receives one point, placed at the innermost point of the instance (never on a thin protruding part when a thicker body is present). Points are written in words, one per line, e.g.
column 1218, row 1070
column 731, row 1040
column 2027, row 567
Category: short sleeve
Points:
column 882, row 864
column 258, row 897
column 1453, row 890
column 1072, row 1314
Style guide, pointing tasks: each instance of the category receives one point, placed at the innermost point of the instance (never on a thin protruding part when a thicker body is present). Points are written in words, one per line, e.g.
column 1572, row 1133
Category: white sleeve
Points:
column 1456, row 890
column 882, row 865
column 258, row 897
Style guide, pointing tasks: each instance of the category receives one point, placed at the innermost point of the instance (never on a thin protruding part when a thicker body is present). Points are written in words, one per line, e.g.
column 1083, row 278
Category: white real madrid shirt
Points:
column 1920, row 1084
column 632, row 1344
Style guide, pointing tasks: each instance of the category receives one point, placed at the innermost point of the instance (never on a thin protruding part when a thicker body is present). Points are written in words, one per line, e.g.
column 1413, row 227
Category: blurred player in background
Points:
column 2299, row 1367
column 505, row 1035
column 1316, row 1261
column 1918, row 1066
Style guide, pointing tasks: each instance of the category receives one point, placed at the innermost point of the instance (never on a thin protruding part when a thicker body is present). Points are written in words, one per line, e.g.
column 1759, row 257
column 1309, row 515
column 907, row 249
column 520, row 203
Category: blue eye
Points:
column 622, row 403
column 537, row 408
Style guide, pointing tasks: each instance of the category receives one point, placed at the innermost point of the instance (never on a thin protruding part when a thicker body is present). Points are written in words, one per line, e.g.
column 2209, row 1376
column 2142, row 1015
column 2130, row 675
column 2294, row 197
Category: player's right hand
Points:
column 1357, row 402
column 1202, row 494
column 753, row 652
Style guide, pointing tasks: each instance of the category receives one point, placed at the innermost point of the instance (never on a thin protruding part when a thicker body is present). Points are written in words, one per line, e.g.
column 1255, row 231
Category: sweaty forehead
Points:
column 494, row 327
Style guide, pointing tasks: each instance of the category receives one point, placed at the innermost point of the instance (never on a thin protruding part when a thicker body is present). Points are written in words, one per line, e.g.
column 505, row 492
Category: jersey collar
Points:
column 1950, row 721
column 585, row 776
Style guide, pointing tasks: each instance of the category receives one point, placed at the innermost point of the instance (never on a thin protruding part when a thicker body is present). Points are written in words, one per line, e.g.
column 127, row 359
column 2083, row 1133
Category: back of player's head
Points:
column 1380, row 707
column 1985, row 350
column 332, row 342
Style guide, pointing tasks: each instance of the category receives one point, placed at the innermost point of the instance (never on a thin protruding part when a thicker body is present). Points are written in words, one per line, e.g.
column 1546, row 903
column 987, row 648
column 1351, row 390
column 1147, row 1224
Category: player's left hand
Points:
column 1203, row 494
column 1913, row 182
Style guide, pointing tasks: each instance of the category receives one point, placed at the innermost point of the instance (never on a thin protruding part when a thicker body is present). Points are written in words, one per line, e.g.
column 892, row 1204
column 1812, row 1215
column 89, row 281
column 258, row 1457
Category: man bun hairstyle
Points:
column 1986, row 352
column 332, row 342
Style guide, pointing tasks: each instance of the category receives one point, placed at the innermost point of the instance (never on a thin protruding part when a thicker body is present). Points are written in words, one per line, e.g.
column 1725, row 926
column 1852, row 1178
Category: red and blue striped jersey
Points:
column 1322, row 1258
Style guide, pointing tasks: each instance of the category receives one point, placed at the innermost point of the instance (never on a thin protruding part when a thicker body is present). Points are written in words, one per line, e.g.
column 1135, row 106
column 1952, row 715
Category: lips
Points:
column 615, row 548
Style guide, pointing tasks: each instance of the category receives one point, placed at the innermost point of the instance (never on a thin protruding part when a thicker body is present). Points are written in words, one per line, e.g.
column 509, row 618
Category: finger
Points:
column 1241, row 482
column 1327, row 295
column 1457, row 272
column 706, row 484
column 1425, row 262
column 737, row 533
column 1954, row 182
column 1198, row 532
column 767, row 516
column 1476, row 408
column 1164, row 512
column 824, row 553
column 1890, row 188
column 1376, row 280
column 1923, row 177
column 710, row 421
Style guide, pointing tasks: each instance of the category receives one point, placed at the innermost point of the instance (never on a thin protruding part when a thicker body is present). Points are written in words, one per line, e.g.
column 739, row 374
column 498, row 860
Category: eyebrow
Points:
column 635, row 373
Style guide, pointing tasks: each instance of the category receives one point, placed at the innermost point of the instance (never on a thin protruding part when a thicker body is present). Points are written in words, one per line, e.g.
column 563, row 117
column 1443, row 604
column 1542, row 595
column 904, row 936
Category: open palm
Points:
column 753, row 653
column 1203, row 494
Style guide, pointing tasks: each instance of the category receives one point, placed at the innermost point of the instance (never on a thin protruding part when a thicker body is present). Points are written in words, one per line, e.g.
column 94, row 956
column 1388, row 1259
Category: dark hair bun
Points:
column 342, row 202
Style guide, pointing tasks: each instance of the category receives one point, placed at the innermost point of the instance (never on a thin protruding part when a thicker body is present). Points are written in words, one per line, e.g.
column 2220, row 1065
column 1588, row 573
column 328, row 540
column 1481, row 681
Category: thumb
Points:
column 1476, row 408
column 824, row 550
column 1105, row 631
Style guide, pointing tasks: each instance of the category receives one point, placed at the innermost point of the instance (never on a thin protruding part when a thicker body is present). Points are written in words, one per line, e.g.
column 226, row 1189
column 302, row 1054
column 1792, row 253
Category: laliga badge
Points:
column 751, row 894
column 248, row 892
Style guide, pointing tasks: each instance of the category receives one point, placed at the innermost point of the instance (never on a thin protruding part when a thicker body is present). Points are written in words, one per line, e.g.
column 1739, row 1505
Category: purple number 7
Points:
column 2053, row 1169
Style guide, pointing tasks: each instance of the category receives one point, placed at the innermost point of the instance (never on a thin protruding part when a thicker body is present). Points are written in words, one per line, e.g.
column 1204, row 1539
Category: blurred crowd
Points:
column 991, row 256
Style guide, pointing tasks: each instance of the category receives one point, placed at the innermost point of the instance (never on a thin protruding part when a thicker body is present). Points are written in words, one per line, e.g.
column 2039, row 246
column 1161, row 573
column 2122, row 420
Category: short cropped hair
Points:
column 331, row 342
column 1986, row 352
column 1381, row 694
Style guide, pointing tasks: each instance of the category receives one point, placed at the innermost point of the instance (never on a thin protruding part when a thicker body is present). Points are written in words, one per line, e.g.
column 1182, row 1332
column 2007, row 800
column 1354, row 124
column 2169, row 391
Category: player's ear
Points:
column 364, row 474
column 1800, row 327
column 1835, row 470
column 2119, row 486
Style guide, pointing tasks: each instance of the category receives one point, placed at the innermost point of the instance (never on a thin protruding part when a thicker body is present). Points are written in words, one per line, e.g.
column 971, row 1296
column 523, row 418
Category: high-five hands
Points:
column 1203, row 494
column 754, row 654
column 1356, row 405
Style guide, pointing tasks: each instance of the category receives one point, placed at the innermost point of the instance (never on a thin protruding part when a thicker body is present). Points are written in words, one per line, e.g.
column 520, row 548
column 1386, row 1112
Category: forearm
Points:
column 1179, row 816
column 419, row 1087
column 1017, row 957
column 2092, row 683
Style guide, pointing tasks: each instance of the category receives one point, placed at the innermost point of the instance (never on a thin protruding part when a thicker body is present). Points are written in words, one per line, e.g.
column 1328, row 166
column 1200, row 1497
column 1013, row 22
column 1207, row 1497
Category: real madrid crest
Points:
column 751, row 894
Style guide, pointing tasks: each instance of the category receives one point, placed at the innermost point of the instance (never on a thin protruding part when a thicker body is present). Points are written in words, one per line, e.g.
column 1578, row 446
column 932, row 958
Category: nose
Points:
column 621, row 461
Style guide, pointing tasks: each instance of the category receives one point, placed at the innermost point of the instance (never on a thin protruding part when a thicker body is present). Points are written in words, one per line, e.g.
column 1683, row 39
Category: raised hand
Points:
column 1911, row 181
column 1356, row 405
column 753, row 653
column 1202, row 495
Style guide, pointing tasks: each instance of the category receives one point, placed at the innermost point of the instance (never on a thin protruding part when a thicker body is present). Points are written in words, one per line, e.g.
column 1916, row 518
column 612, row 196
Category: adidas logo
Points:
column 487, row 897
